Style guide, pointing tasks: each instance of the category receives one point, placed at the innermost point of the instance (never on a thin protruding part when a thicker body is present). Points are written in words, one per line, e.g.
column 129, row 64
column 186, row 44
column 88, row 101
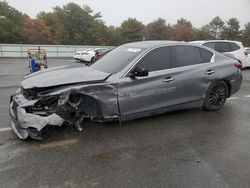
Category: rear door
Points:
column 192, row 71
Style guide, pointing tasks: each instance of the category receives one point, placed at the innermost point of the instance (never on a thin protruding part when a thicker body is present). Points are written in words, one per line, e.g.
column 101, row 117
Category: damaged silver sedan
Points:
column 132, row 81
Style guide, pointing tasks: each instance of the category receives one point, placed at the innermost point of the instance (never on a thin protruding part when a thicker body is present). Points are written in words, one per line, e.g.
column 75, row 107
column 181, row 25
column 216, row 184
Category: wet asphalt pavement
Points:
column 188, row 148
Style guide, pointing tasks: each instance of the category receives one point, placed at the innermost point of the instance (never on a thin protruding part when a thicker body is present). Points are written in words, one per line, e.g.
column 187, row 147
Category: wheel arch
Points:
column 229, row 87
column 93, row 105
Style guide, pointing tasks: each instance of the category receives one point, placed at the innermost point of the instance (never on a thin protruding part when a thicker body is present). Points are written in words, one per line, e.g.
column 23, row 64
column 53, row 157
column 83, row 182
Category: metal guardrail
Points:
column 20, row 50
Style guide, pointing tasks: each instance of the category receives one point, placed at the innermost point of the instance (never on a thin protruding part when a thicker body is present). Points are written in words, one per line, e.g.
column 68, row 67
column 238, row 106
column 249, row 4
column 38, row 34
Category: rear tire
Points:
column 216, row 96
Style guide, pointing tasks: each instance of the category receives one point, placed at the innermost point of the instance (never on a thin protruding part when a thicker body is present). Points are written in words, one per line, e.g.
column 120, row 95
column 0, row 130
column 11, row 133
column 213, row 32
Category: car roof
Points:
column 152, row 44
column 201, row 42
column 204, row 41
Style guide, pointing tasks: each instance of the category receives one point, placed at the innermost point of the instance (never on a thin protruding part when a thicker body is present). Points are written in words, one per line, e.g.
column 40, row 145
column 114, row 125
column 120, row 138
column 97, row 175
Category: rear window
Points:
column 222, row 47
column 234, row 46
column 210, row 45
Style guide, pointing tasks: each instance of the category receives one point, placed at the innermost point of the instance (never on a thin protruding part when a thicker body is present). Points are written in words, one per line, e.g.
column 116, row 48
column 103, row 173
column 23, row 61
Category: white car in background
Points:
column 78, row 54
column 248, row 52
column 234, row 49
column 88, row 55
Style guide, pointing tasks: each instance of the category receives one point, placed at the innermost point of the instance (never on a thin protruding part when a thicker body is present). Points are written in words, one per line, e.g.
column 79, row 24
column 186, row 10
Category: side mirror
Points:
column 139, row 72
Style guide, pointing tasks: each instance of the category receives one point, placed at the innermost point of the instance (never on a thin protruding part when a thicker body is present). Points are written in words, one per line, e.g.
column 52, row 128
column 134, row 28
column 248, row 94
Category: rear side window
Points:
column 158, row 59
column 186, row 55
column 234, row 46
column 222, row 47
column 206, row 56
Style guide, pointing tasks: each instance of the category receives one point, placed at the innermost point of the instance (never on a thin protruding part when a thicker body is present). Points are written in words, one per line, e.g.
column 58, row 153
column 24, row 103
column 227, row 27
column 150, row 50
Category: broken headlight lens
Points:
column 44, row 107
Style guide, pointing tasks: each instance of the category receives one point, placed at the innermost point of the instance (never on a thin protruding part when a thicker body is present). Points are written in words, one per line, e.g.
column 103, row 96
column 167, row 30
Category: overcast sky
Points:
column 199, row 12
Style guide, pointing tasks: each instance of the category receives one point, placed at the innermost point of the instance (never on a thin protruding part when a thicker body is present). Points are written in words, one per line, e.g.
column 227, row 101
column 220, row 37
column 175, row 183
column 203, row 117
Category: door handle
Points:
column 169, row 79
column 209, row 72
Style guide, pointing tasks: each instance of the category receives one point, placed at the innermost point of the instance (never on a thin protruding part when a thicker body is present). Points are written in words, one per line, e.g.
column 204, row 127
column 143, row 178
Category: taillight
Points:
column 245, row 52
column 238, row 65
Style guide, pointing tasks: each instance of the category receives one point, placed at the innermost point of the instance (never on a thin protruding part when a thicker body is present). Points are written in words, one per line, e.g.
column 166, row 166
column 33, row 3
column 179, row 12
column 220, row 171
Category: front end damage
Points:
column 34, row 111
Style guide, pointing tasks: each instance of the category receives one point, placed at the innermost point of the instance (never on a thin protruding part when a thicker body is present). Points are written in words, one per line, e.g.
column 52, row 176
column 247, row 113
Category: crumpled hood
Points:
column 61, row 76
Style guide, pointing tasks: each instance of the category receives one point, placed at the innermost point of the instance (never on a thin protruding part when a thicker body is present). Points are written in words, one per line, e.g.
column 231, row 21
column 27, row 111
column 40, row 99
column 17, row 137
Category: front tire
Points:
column 216, row 96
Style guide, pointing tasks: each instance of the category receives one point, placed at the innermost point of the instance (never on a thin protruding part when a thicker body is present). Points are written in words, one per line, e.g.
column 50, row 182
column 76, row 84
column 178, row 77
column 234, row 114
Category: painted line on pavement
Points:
column 233, row 98
column 9, row 87
column 5, row 129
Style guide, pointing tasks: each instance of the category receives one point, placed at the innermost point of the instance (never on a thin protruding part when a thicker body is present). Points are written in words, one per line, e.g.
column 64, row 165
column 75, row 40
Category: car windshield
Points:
column 117, row 59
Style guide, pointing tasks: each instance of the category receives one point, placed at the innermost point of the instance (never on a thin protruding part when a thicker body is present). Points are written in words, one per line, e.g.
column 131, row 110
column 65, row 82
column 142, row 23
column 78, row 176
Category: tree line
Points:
column 72, row 24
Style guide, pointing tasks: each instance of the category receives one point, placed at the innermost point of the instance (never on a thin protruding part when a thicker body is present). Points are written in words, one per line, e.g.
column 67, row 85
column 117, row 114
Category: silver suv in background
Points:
column 234, row 49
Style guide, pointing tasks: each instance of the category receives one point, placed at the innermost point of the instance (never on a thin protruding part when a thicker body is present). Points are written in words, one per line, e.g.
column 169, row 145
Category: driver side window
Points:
column 157, row 59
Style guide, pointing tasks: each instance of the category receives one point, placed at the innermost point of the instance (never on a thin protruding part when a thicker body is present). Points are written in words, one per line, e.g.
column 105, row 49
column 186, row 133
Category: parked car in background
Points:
column 100, row 54
column 234, row 49
column 132, row 81
column 78, row 54
column 248, row 52
column 88, row 55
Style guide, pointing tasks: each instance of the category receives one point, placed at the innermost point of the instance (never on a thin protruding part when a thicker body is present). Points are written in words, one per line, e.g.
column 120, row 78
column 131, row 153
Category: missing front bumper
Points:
column 21, row 121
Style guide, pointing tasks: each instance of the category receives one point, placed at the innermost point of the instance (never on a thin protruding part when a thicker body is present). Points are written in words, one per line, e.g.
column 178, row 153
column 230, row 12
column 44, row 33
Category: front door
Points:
column 150, row 93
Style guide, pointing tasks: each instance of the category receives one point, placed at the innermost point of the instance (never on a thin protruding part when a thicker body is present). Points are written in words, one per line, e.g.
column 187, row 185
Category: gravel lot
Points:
column 189, row 148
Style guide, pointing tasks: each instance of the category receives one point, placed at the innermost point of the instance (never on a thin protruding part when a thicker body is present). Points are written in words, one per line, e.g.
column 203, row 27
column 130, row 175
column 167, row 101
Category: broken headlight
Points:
column 44, row 107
